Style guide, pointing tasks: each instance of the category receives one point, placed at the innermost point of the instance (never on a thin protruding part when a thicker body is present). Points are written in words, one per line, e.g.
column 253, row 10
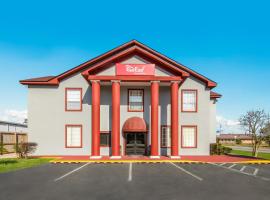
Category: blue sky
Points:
column 227, row 41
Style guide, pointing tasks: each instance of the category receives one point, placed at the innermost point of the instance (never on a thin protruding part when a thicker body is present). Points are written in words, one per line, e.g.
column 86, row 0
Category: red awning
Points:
column 135, row 124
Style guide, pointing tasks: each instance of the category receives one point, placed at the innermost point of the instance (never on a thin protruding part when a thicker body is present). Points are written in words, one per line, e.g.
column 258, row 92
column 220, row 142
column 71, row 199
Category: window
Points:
column 135, row 100
column 165, row 136
column 189, row 137
column 73, row 136
column 73, row 99
column 189, row 100
column 105, row 139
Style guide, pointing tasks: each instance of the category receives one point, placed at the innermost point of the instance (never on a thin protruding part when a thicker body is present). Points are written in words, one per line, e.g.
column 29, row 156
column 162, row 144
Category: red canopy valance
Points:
column 135, row 124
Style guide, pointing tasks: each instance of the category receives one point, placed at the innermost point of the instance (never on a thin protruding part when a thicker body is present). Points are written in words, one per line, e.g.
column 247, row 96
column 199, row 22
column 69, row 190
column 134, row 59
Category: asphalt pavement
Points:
column 137, row 181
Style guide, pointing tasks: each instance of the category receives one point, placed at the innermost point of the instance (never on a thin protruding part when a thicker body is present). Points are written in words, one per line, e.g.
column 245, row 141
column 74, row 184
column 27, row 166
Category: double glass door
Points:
column 135, row 143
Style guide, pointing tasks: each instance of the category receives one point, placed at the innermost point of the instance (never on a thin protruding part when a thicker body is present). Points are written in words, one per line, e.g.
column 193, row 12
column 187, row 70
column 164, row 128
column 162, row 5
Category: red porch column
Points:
column 154, row 118
column 116, row 119
column 95, row 119
column 174, row 119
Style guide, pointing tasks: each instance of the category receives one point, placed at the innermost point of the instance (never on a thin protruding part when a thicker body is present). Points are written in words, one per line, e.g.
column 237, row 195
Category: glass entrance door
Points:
column 135, row 143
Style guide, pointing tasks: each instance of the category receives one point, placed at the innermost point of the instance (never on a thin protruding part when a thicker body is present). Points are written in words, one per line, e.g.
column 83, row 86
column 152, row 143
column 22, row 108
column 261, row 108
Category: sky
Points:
column 227, row 41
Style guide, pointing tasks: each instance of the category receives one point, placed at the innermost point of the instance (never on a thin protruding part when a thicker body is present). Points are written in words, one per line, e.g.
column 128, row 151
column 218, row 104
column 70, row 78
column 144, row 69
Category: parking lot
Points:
column 138, row 181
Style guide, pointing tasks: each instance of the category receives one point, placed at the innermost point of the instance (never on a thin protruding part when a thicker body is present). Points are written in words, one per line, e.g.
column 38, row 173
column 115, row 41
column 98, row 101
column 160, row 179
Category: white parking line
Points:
column 243, row 168
column 130, row 172
column 235, row 170
column 187, row 172
column 232, row 166
column 71, row 172
column 256, row 172
column 222, row 164
column 241, row 171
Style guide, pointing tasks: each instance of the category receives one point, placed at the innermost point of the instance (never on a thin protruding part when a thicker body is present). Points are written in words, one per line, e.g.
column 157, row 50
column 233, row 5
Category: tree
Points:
column 238, row 141
column 254, row 122
column 23, row 149
column 267, row 139
column 266, row 131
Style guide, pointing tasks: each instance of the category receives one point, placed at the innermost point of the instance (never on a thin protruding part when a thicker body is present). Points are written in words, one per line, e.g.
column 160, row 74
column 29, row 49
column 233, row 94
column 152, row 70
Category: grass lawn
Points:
column 11, row 164
column 247, row 153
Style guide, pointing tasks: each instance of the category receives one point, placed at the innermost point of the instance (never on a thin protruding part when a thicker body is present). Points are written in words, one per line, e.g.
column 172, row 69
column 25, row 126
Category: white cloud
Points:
column 13, row 115
column 228, row 125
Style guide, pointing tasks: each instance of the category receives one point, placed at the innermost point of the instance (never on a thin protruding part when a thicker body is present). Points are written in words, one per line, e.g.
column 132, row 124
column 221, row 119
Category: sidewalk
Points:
column 9, row 155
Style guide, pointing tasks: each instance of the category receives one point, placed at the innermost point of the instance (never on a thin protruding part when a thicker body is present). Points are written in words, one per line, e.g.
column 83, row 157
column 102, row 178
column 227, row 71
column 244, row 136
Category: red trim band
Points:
column 135, row 78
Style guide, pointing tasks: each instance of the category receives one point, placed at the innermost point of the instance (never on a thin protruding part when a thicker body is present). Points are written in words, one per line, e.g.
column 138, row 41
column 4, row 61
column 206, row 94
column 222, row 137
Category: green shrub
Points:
column 213, row 148
column 3, row 150
column 25, row 148
column 218, row 149
column 238, row 141
column 7, row 161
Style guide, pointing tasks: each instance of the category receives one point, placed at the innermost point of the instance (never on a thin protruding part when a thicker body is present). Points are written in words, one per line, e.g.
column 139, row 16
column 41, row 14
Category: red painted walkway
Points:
column 211, row 159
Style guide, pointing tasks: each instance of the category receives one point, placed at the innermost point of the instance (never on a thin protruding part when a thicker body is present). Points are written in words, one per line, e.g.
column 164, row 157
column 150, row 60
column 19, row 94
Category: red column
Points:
column 115, row 119
column 154, row 119
column 95, row 119
column 174, row 119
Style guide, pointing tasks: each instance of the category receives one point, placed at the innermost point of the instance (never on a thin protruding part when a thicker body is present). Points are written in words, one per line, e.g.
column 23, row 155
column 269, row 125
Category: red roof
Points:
column 214, row 95
column 234, row 136
column 40, row 79
column 132, row 47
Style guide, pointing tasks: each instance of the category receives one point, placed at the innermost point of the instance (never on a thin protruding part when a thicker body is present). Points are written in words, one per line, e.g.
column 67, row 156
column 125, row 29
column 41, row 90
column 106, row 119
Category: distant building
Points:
column 231, row 138
column 13, row 127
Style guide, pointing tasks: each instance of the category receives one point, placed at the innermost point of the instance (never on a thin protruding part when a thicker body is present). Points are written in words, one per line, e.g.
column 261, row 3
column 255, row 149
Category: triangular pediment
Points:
column 131, row 50
column 135, row 55
column 111, row 69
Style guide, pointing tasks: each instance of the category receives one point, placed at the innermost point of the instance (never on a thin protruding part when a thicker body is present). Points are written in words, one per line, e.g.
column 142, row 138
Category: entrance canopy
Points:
column 135, row 124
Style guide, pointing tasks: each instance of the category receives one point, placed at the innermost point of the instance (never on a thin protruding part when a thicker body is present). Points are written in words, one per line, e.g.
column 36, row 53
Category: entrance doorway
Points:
column 135, row 143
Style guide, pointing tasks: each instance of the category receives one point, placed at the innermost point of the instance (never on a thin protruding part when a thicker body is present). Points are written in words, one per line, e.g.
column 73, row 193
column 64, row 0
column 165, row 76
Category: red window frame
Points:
column 106, row 132
column 72, row 110
column 195, row 137
column 129, row 102
column 73, row 125
column 161, row 136
column 182, row 98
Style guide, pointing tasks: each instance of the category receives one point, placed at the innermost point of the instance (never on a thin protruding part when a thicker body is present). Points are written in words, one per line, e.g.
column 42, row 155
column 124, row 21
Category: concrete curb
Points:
column 154, row 161
column 126, row 161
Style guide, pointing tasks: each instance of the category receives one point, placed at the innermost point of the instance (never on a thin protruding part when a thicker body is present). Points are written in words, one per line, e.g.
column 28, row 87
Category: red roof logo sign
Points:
column 135, row 69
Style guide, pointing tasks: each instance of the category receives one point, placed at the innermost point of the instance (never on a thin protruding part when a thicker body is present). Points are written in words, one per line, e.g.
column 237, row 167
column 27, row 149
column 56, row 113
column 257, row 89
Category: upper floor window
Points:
column 165, row 136
column 189, row 137
column 73, row 136
column 73, row 99
column 189, row 100
column 135, row 100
